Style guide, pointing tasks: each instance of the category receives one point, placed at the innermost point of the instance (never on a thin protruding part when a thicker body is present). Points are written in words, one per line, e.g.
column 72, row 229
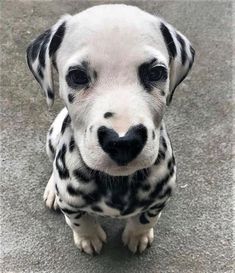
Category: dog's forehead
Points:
column 115, row 32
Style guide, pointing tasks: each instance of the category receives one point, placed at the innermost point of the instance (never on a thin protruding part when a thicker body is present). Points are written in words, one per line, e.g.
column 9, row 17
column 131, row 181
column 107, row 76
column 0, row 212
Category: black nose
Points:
column 123, row 149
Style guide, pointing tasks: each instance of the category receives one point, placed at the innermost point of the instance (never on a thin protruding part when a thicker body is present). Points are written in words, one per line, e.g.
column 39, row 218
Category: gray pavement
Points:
column 194, row 233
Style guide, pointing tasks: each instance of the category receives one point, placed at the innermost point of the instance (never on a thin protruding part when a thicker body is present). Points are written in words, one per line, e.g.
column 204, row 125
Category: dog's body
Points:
column 118, row 67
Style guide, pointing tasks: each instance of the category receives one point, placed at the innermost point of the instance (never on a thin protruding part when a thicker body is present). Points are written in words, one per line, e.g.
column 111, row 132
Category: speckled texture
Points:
column 194, row 233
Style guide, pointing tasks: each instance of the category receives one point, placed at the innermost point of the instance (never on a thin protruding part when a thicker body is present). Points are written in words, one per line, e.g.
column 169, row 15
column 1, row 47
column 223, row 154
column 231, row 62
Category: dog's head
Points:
column 118, row 67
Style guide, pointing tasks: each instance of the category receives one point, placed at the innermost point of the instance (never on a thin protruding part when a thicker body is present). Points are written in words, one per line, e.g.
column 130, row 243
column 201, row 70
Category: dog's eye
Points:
column 150, row 75
column 77, row 77
column 157, row 73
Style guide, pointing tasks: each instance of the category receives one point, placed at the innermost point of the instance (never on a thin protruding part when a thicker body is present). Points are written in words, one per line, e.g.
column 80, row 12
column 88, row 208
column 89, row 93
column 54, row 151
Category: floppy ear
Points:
column 41, row 53
column 181, row 56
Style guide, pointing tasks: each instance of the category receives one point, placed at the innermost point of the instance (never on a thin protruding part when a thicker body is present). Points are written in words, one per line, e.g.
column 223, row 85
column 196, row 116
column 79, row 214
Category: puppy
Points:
column 118, row 68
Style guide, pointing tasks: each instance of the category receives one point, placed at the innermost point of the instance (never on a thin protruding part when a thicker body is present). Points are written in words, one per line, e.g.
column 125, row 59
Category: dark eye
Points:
column 77, row 78
column 157, row 73
column 150, row 75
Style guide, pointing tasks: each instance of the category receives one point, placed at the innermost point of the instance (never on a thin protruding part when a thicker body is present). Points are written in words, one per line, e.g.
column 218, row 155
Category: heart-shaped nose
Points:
column 123, row 149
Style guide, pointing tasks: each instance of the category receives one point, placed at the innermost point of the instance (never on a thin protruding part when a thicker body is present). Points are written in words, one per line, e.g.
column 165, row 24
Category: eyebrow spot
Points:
column 71, row 98
column 108, row 115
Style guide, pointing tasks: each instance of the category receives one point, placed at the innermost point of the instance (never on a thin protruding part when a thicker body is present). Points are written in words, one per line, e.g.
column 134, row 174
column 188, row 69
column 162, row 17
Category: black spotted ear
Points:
column 41, row 54
column 181, row 56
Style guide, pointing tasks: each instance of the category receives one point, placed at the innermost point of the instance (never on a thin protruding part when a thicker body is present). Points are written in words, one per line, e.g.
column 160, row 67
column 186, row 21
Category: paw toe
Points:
column 90, row 243
column 138, row 241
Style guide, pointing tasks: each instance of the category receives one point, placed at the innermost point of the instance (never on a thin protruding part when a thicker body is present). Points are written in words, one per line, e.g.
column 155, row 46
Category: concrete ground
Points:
column 194, row 233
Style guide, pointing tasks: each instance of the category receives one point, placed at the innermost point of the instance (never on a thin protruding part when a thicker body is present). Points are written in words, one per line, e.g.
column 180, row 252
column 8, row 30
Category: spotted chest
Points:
column 80, row 188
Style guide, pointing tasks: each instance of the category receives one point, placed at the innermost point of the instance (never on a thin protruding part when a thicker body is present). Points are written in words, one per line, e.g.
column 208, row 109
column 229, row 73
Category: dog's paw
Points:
column 137, row 241
column 90, row 243
column 49, row 196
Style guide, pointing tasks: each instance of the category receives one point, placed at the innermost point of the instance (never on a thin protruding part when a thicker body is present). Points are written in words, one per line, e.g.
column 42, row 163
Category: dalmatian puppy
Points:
column 118, row 67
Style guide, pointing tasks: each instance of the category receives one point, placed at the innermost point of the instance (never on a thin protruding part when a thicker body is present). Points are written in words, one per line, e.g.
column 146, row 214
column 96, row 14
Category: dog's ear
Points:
column 181, row 56
column 41, row 54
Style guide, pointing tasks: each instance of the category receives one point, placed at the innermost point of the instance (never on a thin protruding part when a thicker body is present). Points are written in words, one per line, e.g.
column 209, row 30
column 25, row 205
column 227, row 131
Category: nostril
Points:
column 138, row 132
column 106, row 136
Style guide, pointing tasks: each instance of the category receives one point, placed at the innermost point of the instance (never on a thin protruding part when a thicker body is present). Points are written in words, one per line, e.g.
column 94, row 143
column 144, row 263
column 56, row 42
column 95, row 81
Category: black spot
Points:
column 34, row 47
column 161, row 156
column 57, row 39
column 193, row 55
column 146, row 187
column 96, row 208
column 163, row 142
column 56, row 188
column 71, row 144
column 81, row 176
column 40, row 72
column 159, row 186
column 54, row 64
column 143, row 219
column 153, row 134
column 170, row 44
column 71, row 98
column 93, row 197
column 76, row 224
column 51, row 147
column 141, row 175
column 66, row 123
column 167, row 192
column 30, row 66
column 42, row 53
column 151, row 214
column 51, row 130
column 171, row 171
column 62, row 170
column 108, row 115
column 145, row 203
column 95, row 75
column 158, row 206
column 117, row 203
column 129, row 210
column 169, row 99
column 50, row 93
column 183, row 51
column 68, row 211
column 162, row 93
column 72, row 191
column 170, row 164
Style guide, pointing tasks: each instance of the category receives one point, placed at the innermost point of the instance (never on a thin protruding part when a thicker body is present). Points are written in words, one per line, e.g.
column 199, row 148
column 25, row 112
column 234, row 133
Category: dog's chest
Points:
column 115, row 196
column 119, row 197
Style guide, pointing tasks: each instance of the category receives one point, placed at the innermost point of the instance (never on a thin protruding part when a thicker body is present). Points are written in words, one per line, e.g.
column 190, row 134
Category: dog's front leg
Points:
column 87, row 232
column 138, row 233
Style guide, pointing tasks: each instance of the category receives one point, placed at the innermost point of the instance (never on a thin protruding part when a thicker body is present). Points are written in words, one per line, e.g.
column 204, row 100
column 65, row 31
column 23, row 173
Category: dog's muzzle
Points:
column 124, row 149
